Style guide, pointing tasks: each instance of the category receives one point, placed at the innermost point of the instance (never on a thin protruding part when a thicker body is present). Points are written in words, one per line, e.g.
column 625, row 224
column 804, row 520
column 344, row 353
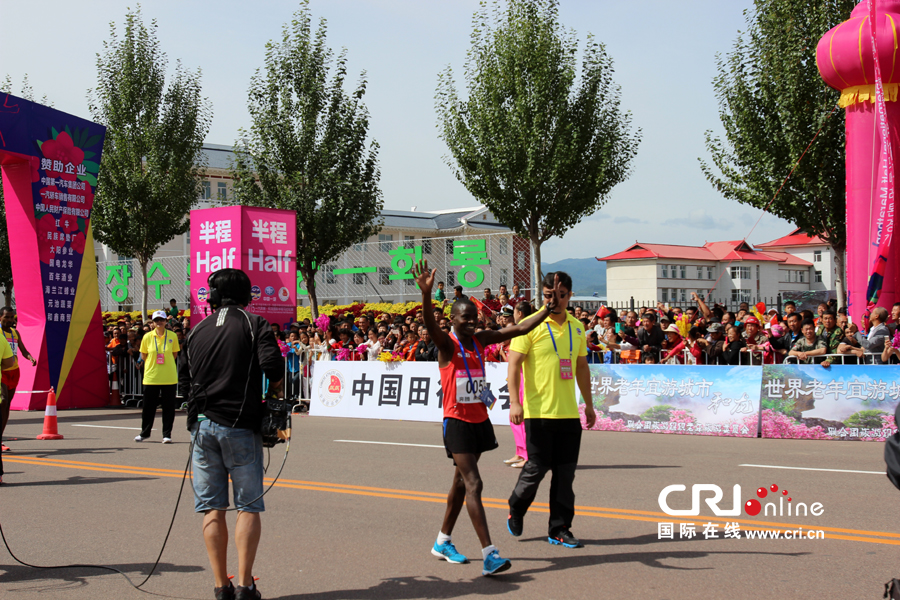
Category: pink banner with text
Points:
column 262, row 242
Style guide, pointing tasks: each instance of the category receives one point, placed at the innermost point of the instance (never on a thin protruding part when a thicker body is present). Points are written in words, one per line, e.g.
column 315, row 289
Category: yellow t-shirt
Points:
column 547, row 394
column 5, row 352
column 151, row 345
column 12, row 339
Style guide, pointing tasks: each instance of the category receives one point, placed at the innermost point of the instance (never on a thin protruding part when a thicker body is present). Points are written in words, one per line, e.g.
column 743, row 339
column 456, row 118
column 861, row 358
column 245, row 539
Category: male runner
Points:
column 10, row 375
column 467, row 428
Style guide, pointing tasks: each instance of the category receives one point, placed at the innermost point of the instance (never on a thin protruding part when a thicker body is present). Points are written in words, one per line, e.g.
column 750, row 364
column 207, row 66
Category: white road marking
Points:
column 106, row 427
column 812, row 469
column 388, row 443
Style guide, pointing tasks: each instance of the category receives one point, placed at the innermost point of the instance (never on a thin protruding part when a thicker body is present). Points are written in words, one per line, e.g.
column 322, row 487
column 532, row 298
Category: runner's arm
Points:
column 425, row 281
column 490, row 336
column 25, row 353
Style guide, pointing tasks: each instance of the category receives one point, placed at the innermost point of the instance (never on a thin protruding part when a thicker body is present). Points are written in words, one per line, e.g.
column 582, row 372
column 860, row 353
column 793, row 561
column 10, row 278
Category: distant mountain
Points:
column 588, row 274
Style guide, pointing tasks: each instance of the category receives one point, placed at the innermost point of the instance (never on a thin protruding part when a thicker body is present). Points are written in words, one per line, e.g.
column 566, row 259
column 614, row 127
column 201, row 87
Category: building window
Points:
column 410, row 282
column 664, row 272
column 504, row 246
column 384, row 275
column 207, row 190
column 818, row 276
column 426, row 245
column 329, row 274
column 385, row 242
column 504, row 276
column 683, row 272
column 357, row 247
column 740, row 273
column 801, row 276
column 521, row 261
column 701, row 294
column 451, row 282
column 409, row 241
column 817, row 256
column 683, row 294
column 709, row 273
column 448, row 247
column 359, row 278
column 699, row 272
column 740, row 295
column 663, row 295
column 222, row 191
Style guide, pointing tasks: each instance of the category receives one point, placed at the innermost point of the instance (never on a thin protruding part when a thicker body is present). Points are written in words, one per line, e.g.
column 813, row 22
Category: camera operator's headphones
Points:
column 215, row 295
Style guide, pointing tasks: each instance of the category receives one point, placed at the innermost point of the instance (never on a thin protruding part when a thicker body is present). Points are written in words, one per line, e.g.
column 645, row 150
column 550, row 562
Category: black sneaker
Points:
column 514, row 524
column 247, row 593
column 226, row 592
column 564, row 537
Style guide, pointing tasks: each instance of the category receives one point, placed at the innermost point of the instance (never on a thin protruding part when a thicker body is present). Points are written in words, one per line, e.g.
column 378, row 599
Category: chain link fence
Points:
column 167, row 278
column 382, row 271
column 369, row 272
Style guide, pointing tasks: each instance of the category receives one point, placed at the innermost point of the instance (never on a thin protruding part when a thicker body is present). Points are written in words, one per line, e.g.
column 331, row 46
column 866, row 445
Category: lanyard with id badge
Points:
column 472, row 390
column 565, row 364
column 160, row 358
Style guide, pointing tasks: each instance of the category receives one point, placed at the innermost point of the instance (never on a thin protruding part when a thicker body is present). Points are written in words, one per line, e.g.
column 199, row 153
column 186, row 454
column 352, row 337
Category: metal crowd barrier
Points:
column 868, row 358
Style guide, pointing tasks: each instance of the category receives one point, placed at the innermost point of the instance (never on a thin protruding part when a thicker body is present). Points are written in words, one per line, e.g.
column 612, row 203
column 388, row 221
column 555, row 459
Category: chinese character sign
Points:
column 691, row 400
column 50, row 161
column 260, row 241
column 836, row 403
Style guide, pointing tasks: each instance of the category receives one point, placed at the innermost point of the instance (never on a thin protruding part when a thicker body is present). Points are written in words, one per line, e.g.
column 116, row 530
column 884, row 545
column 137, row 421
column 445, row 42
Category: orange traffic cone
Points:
column 115, row 399
column 50, row 429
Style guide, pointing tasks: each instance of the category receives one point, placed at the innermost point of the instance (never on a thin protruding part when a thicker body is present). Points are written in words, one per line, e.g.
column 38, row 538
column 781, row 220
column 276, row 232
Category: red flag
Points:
column 602, row 311
column 480, row 305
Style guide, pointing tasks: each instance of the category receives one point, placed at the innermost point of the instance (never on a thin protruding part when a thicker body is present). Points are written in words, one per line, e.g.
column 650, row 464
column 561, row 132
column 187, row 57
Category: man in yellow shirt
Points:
column 552, row 358
column 10, row 375
column 6, row 361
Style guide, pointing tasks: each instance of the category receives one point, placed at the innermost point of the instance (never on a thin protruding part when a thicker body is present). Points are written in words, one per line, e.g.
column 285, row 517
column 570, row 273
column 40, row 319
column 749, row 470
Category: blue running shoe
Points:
column 448, row 552
column 493, row 564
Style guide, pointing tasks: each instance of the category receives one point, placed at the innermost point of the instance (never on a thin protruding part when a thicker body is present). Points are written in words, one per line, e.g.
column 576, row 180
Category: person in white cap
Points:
column 159, row 349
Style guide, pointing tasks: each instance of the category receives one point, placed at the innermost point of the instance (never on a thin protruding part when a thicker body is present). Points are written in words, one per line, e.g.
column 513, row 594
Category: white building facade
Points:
column 724, row 272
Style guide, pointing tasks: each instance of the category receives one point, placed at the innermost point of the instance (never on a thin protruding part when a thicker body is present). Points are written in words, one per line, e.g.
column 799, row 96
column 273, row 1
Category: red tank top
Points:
column 466, row 405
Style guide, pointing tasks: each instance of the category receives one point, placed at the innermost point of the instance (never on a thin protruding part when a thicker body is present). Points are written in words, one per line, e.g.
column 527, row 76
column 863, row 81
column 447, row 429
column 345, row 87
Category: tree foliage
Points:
column 538, row 145
column 306, row 149
column 772, row 102
column 152, row 164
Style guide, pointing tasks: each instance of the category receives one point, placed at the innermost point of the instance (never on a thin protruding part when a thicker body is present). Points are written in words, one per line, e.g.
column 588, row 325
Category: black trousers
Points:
column 553, row 445
column 154, row 396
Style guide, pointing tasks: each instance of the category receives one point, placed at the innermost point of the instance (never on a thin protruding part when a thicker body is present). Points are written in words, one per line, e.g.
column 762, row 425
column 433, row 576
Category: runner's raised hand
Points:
column 424, row 278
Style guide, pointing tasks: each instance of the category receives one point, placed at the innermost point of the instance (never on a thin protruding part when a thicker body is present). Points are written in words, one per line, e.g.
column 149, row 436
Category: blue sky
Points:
column 664, row 56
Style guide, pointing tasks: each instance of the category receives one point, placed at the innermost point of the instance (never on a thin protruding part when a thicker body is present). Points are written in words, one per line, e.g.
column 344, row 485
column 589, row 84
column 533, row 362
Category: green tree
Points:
column 306, row 148
column 772, row 102
column 6, row 278
column 538, row 145
column 152, row 165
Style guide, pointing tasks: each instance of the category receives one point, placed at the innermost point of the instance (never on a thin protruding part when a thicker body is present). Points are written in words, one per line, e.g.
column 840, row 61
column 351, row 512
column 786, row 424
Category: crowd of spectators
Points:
column 697, row 334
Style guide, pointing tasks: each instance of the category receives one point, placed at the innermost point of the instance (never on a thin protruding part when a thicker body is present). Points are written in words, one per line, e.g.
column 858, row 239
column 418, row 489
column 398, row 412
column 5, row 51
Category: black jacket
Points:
column 221, row 375
column 426, row 352
column 653, row 338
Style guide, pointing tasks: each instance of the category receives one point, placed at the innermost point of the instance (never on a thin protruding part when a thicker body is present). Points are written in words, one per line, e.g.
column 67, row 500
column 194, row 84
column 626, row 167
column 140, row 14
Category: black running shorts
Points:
column 462, row 437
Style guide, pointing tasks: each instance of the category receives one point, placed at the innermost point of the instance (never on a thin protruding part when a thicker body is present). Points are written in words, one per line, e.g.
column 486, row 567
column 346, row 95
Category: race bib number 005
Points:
column 469, row 391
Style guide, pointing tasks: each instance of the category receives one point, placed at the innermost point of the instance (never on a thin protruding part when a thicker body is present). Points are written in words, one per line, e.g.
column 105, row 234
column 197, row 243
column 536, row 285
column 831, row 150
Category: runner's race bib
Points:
column 465, row 394
column 565, row 368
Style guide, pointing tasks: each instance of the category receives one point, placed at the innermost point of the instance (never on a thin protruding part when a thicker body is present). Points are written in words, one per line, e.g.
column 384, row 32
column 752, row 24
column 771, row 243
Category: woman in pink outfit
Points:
column 522, row 310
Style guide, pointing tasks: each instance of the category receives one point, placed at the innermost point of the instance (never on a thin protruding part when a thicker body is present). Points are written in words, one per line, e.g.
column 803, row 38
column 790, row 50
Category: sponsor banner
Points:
column 852, row 402
column 50, row 162
column 404, row 391
column 682, row 399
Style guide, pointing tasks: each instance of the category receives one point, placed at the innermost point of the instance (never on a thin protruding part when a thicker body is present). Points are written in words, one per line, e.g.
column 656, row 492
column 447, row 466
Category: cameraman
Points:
column 222, row 374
